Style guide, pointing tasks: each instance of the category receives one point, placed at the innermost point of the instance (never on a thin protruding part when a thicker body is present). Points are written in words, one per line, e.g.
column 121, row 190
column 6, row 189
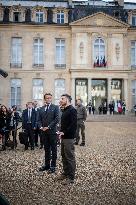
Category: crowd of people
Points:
column 52, row 125
column 49, row 125
column 114, row 107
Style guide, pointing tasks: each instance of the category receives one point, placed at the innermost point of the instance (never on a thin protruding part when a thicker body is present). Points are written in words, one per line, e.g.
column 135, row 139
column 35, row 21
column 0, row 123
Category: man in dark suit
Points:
column 37, row 130
column 47, row 122
column 29, row 124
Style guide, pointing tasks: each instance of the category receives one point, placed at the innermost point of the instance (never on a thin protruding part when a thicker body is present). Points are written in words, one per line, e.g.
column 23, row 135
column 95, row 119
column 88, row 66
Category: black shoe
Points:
column 52, row 170
column 3, row 147
column 41, row 146
column 76, row 143
column 82, row 144
column 44, row 168
column 32, row 148
column 26, row 148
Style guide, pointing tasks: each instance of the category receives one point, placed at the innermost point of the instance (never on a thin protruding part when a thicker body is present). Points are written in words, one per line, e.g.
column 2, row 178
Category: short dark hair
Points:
column 80, row 100
column 47, row 94
column 14, row 107
column 67, row 96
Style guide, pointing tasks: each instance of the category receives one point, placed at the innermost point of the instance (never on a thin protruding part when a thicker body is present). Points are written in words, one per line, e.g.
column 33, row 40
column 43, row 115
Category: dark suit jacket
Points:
column 49, row 119
column 25, row 118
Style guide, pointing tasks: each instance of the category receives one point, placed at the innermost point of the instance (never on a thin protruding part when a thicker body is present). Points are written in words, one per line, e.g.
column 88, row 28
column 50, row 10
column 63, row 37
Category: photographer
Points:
column 5, row 118
column 14, row 123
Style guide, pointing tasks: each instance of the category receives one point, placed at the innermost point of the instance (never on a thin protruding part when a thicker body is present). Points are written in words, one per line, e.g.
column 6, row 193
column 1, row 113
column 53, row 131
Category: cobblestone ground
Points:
column 106, row 170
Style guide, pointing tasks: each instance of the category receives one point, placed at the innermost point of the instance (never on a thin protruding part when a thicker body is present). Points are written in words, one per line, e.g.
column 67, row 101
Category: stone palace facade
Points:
column 86, row 49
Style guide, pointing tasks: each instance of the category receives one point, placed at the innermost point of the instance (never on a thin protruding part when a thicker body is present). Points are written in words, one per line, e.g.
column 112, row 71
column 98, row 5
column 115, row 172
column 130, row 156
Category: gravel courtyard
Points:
column 106, row 170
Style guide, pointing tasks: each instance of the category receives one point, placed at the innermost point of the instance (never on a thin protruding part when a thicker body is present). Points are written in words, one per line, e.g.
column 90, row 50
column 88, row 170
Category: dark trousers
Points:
column 68, row 157
column 37, row 134
column 30, row 135
column 80, row 126
column 50, row 147
column 5, row 137
column 14, row 134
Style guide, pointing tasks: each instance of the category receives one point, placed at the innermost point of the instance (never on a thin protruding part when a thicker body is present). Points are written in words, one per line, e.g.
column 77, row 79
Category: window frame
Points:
column 134, row 17
column 60, row 17
column 133, row 65
column 101, row 62
column 35, row 62
column 60, row 62
column 19, row 15
column 38, row 18
column 59, row 93
column 16, row 50
column 37, row 86
column 15, row 86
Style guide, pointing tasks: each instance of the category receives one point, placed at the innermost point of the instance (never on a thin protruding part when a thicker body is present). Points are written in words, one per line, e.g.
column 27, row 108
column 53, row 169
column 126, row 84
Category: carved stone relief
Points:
column 117, row 51
column 81, row 49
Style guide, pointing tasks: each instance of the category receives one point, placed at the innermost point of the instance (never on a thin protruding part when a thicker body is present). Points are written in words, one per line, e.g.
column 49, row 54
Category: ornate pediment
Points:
column 100, row 19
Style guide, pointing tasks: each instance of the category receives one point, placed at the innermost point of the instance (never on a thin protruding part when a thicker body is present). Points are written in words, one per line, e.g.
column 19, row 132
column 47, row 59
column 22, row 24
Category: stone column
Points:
column 125, row 51
column 89, row 89
column 125, row 91
column 109, row 90
column 129, row 100
column 73, row 53
column 109, row 50
column 73, row 90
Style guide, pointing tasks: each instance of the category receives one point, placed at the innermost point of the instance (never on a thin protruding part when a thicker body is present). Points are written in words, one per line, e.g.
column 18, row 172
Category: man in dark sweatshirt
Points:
column 81, row 118
column 67, row 133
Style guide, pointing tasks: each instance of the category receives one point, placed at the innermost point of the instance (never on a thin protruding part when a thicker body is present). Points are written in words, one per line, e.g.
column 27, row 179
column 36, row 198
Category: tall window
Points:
column 133, row 20
column 81, row 90
column 39, row 16
column 59, row 89
column 99, row 53
column 60, row 16
column 38, row 52
column 16, row 93
column 60, row 52
column 38, row 90
column 16, row 52
column 133, row 53
column 133, row 87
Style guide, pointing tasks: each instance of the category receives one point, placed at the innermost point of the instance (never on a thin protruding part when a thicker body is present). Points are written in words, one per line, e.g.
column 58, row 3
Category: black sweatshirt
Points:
column 69, row 122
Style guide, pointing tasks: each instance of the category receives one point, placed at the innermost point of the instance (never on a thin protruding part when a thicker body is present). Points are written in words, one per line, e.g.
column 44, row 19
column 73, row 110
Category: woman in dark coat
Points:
column 5, row 118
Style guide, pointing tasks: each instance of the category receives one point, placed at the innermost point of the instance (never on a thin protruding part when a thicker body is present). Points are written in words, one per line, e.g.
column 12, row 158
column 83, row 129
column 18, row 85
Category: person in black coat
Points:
column 5, row 118
column 67, row 133
column 47, row 122
column 29, row 124
column 37, row 130
column 14, row 123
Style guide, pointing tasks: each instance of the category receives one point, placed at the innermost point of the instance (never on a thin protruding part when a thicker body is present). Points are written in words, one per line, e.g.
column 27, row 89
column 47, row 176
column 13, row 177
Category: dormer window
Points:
column 60, row 16
column 117, row 14
column 16, row 16
column 17, row 13
column 39, row 16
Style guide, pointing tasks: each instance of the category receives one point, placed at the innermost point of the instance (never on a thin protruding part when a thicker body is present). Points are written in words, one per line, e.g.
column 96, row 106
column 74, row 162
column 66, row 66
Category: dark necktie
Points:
column 29, row 115
column 47, row 107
